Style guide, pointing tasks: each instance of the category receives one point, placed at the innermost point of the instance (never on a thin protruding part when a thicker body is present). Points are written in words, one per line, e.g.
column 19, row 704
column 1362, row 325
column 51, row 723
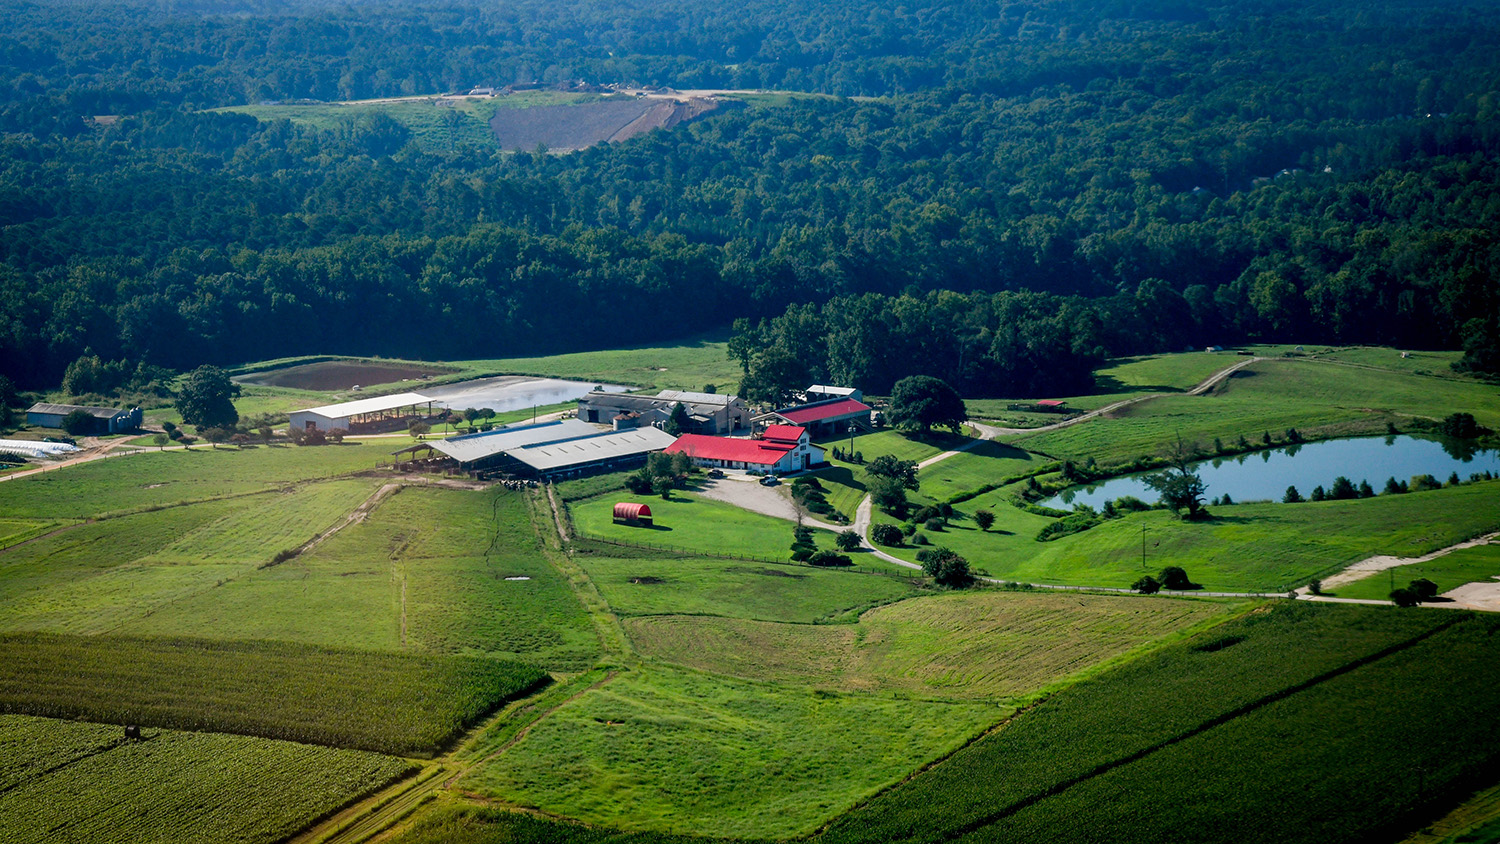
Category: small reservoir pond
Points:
column 511, row 392
column 1265, row 475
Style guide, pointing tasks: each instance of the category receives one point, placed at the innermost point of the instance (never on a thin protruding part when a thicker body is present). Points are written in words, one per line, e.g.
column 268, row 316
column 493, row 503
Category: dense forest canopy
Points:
column 1086, row 179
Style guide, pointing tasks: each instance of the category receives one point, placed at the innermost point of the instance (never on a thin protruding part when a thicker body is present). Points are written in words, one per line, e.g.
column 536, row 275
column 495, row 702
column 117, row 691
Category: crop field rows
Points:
column 67, row 782
column 1182, row 693
column 390, row 703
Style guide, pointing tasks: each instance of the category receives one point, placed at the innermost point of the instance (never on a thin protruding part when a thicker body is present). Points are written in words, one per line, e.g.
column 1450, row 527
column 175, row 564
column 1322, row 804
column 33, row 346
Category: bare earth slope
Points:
column 569, row 127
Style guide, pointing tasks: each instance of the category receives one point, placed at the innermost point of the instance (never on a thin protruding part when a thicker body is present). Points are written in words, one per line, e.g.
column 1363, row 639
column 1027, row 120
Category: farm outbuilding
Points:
column 107, row 420
column 382, row 413
column 708, row 413
column 633, row 514
column 826, row 418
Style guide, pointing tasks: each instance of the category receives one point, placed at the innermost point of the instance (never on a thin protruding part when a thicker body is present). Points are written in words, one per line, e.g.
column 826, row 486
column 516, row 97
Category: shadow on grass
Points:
column 1108, row 385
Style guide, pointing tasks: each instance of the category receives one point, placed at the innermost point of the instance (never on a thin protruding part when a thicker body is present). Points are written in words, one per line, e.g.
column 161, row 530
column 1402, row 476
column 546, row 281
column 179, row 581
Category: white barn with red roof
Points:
column 780, row 449
column 827, row 418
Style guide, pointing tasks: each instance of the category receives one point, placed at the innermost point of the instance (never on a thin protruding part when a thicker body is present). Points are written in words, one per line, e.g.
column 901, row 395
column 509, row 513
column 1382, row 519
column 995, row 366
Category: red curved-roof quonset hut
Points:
column 629, row 512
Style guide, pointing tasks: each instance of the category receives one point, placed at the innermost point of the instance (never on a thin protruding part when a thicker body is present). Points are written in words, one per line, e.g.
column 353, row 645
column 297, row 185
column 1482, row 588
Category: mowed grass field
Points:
column 154, row 479
column 430, row 570
column 651, row 584
column 391, row 703
column 1480, row 564
column 96, row 577
column 63, row 782
column 688, row 523
column 660, row 748
column 1246, row 547
column 1316, row 398
column 987, row 463
column 983, row 646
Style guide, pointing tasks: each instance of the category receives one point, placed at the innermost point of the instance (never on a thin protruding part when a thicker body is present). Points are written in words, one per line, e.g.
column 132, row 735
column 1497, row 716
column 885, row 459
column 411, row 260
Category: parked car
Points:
column 770, row 480
column 715, row 474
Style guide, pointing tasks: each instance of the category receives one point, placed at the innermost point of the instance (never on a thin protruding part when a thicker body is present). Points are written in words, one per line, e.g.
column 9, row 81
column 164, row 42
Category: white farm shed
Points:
column 378, row 412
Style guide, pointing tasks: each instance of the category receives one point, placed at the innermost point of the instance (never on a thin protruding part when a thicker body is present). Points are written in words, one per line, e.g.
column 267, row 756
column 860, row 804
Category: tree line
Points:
column 1134, row 177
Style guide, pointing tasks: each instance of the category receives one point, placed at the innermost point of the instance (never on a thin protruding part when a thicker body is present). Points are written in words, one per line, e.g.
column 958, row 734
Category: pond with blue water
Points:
column 1265, row 475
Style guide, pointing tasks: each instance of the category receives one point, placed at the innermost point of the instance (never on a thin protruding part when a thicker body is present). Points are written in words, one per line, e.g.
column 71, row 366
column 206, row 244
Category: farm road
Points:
column 93, row 449
column 1484, row 597
column 1204, row 386
column 746, row 493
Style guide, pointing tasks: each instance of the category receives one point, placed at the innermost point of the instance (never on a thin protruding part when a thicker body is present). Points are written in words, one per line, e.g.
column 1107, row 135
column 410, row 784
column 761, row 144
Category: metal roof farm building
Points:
column 111, row 420
column 381, row 412
column 549, row 449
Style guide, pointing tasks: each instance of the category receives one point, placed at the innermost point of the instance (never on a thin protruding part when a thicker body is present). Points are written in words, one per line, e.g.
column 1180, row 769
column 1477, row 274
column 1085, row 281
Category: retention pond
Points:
column 1265, row 475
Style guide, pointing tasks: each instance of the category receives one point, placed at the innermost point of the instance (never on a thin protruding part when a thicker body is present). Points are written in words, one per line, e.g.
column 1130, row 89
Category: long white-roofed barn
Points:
column 382, row 413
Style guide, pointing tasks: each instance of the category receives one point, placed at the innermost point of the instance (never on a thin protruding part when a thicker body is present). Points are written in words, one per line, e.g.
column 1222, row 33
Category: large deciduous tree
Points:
column 903, row 472
column 920, row 402
column 206, row 398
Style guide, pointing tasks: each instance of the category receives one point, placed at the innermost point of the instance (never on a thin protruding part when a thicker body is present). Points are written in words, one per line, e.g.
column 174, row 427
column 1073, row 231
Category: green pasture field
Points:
column 154, row 479
column 998, row 412
column 577, row 489
column 1162, row 698
column 70, row 782
column 1318, row 399
column 988, row 463
column 1381, row 357
column 1121, row 378
column 1246, row 547
column 13, row 531
column 688, row 523
column 452, row 822
column 653, row 584
column 981, row 646
column 1341, row 761
column 1480, row 564
column 660, row 748
column 390, row 703
column 1170, row 373
column 900, row 445
column 426, row 571
column 100, row 576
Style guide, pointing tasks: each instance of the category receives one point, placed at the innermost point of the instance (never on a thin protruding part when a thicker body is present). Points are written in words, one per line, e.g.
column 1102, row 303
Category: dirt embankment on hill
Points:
column 564, row 128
